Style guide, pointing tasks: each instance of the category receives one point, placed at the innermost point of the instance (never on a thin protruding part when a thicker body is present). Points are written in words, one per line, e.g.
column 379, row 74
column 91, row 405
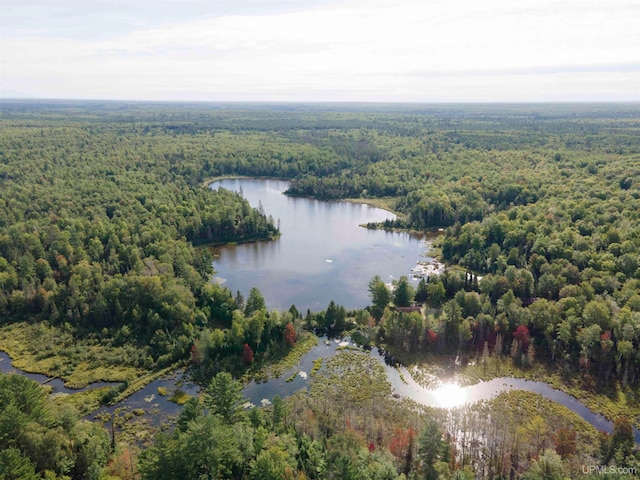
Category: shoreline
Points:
column 372, row 202
column 209, row 181
column 236, row 242
column 424, row 370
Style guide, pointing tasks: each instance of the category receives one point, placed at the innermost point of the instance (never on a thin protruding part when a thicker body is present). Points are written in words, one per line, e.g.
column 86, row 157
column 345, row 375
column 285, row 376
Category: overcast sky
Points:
column 321, row 50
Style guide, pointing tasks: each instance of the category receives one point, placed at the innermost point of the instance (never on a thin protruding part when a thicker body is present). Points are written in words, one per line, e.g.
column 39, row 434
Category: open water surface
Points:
column 323, row 253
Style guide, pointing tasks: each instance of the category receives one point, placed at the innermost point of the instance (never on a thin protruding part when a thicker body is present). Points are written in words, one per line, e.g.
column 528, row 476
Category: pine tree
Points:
column 14, row 465
column 485, row 356
column 224, row 396
column 497, row 348
column 515, row 349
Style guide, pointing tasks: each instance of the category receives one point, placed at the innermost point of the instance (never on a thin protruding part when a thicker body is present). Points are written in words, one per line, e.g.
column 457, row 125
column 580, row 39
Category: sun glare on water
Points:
column 450, row 395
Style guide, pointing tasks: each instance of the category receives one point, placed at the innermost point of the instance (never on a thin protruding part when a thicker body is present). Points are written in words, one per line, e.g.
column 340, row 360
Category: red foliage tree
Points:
column 605, row 341
column 122, row 464
column 247, row 354
column 197, row 353
column 401, row 445
column 522, row 335
column 565, row 442
column 289, row 334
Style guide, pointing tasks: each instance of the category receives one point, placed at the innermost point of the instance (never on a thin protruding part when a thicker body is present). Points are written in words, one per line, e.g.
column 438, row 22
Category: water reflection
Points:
column 450, row 395
column 322, row 255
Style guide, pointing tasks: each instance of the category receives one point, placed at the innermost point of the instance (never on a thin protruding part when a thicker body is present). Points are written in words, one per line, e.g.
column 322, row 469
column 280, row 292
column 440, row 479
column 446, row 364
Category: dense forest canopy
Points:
column 104, row 219
column 102, row 202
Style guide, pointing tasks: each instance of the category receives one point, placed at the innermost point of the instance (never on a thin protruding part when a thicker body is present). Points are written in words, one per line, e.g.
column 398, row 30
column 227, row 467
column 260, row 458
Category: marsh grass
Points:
column 355, row 376
column 526, row 406
column 163, row 391
column 84, row 402
column 39, row 348
column 317, row 364
column 179, row 397
column 385, row 203
column 142, row 381
column 284, row 363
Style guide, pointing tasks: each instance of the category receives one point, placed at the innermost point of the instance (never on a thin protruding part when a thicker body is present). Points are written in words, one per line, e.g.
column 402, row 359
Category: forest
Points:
column 104, row 267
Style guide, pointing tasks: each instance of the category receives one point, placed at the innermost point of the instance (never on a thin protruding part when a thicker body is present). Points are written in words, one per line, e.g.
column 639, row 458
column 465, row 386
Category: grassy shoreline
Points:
column 385, row 203
column 278, row 368
column 40, row 348
column 612, row 404
column 209, row 181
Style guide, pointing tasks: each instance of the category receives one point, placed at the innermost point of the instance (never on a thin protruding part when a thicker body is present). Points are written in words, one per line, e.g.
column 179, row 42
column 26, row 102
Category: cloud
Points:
column 352, row 50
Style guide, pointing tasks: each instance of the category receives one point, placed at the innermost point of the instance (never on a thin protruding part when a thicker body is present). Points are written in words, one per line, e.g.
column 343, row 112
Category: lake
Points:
column 323, row 253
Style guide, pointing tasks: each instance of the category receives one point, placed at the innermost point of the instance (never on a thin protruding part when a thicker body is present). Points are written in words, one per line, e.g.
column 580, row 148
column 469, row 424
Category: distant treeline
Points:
column 101, row 203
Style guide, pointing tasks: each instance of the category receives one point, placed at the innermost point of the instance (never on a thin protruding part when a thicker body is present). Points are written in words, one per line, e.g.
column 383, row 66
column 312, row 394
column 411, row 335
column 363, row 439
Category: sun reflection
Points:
column 450, row 395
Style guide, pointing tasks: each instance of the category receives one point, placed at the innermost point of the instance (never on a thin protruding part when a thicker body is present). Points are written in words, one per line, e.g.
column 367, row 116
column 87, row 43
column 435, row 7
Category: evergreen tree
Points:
column 403, row 293
column 14, row 466
column 380, row 296
column 430, row 449
column 255, row 302
column 223, row 396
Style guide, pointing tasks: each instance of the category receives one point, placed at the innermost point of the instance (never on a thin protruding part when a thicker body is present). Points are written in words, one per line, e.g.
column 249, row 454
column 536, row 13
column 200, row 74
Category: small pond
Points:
column 323, row 253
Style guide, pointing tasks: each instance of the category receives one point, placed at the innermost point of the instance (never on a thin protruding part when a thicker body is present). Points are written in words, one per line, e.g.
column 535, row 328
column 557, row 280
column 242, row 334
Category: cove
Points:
column 323, row 253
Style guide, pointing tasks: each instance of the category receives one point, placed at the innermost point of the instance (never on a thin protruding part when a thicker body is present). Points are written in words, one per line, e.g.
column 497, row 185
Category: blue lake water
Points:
column 323, row 253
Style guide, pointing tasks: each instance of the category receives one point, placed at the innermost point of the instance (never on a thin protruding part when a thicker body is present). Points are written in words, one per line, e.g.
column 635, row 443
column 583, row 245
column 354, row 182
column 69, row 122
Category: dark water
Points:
column 155, row 406
column 258, row 392
column 322, row 255
column 56, row 384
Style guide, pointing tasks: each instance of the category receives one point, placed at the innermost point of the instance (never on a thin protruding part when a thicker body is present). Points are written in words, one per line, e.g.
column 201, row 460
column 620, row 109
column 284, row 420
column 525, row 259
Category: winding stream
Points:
column 323, row 254
column 158, row 407
column 447, row 396
column 56, row 384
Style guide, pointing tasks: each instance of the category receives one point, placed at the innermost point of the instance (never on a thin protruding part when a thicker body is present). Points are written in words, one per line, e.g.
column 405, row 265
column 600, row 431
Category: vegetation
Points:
column 347, row 425
column 37, row 438
column 103, row 276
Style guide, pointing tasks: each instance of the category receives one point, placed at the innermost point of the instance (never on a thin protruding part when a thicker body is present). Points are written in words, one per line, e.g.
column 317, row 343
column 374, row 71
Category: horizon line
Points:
column 323, row 102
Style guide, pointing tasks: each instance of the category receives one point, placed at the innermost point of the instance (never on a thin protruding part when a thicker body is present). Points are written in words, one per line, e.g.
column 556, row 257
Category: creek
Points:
column 322, row 255
column 157, row 408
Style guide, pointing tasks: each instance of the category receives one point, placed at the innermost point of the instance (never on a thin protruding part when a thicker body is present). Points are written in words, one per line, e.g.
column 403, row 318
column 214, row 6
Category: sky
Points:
column 321, row 50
